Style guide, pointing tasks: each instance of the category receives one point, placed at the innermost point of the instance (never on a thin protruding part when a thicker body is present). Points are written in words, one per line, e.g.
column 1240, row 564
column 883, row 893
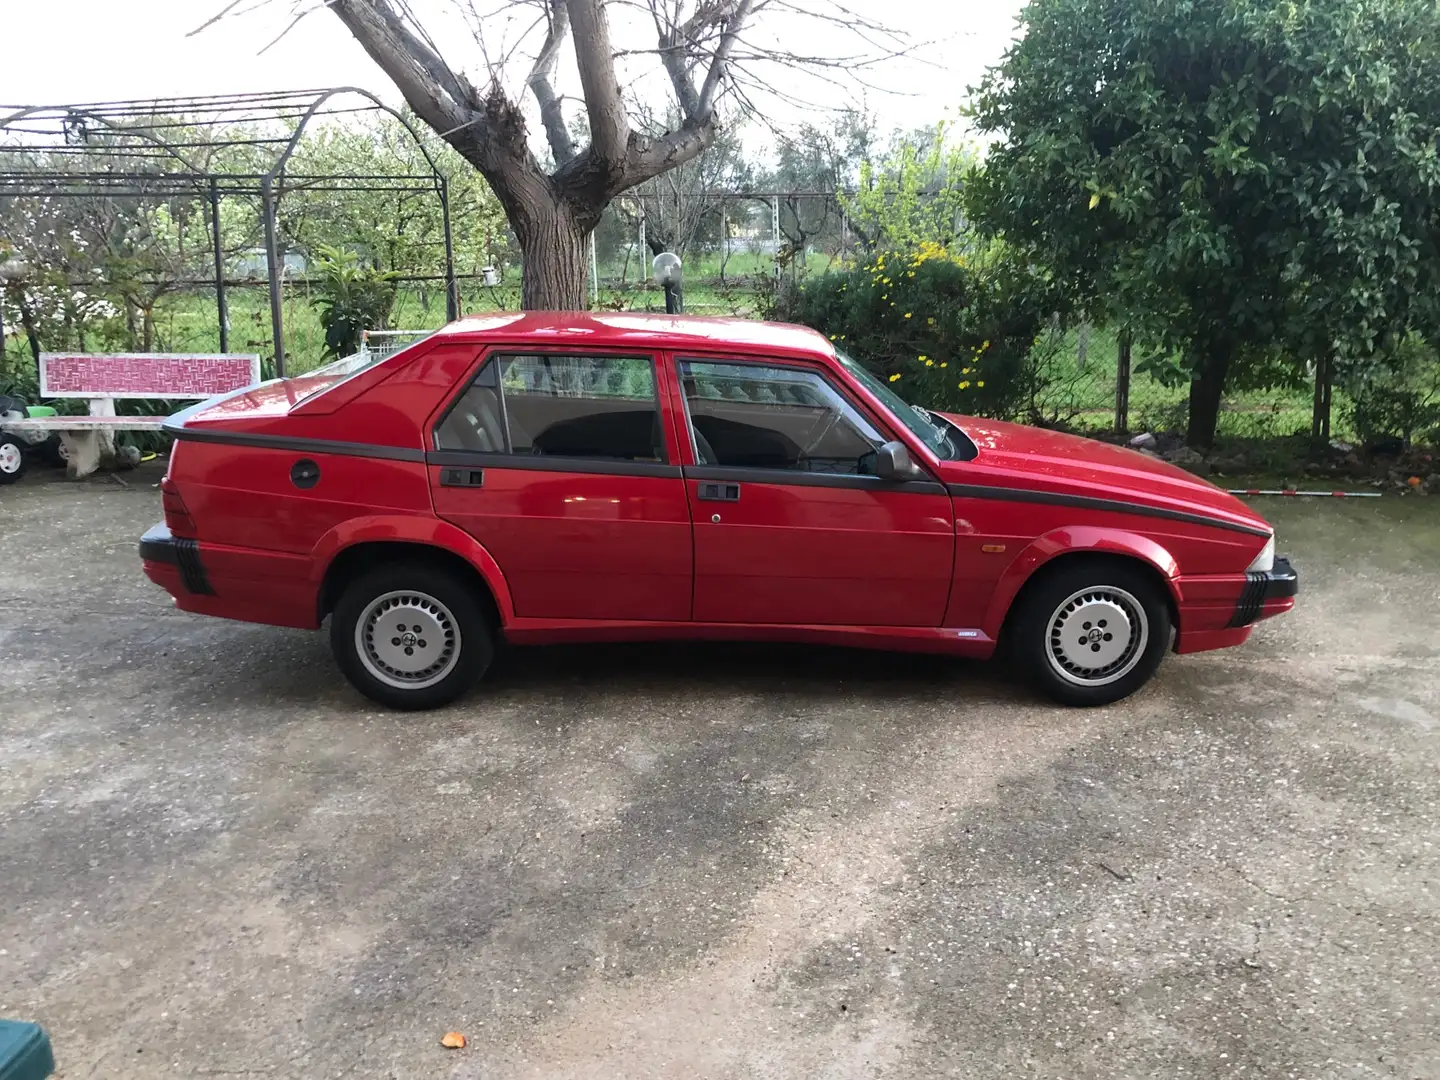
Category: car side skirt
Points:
column 949, row 641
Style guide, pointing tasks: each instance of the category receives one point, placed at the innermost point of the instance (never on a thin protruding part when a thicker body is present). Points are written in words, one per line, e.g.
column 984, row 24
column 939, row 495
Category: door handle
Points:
column 462, row 477
column 719, row 492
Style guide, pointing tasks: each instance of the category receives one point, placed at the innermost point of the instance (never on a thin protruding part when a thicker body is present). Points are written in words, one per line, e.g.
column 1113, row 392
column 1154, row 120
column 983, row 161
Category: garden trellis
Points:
column 168, row 148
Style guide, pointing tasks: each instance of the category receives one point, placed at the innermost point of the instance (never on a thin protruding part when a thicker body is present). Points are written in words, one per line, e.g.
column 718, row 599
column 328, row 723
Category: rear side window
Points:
column 598, row 407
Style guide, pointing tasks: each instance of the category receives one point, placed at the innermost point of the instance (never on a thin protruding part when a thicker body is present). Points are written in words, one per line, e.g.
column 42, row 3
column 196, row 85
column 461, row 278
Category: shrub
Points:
column 1400, row 400
column 952, row 337
column 352, row 299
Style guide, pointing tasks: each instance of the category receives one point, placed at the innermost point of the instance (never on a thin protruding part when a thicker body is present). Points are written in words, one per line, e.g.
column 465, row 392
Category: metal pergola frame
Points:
column 149, row 144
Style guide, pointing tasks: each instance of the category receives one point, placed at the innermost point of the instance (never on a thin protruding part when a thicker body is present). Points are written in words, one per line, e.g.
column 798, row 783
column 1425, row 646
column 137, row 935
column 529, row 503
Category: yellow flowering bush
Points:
column 947, row 334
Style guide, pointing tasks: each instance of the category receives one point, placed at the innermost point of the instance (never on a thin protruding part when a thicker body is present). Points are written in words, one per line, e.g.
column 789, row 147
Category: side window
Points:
column 756, row 416
column 475, row 422
column 542, row 405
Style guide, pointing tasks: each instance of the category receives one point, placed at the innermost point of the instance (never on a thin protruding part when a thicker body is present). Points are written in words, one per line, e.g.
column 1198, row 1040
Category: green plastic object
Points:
column 40, row 410
column 24, row 1052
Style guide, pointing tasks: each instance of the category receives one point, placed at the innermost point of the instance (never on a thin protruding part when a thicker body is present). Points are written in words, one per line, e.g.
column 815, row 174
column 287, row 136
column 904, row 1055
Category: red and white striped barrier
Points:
column 1313, row 494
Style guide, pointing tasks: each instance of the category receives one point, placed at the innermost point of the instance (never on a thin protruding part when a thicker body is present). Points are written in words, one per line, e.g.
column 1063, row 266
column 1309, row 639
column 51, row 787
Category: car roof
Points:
column 634, row 329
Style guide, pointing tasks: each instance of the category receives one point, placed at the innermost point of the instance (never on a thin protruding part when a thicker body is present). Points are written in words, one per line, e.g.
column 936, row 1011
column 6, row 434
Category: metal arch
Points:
column 326, row 95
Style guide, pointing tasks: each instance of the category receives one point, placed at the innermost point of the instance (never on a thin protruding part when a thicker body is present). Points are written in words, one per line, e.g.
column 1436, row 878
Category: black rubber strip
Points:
column 158, row 545
column 799, row 478
column 192, row 570
column 479, row 459
column 1004, row 494
column 298, row 445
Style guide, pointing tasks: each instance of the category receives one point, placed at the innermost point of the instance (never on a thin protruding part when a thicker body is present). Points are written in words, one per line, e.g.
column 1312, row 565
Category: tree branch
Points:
column 609, row 123
column 540, row 82
column 425, row 80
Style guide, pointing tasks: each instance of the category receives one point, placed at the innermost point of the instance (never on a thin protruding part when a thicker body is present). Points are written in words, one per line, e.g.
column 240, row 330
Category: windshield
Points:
column 934, row 431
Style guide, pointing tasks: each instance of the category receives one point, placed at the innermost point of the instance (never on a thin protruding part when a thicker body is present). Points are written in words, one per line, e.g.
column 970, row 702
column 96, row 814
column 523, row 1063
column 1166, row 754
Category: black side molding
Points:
column 1090, row 502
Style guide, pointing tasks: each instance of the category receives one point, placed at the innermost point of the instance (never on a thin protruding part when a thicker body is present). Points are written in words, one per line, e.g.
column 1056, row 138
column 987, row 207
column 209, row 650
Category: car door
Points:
column 563, row 466
column 791, row 525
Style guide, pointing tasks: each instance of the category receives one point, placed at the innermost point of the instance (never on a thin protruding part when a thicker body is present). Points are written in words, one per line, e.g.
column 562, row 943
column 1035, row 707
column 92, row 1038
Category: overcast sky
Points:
column 63, row 51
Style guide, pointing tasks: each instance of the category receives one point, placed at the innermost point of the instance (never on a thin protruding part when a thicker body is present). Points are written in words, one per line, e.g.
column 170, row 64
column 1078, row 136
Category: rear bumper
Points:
column 1261, row 589
column 269, row 587
column 158, row 546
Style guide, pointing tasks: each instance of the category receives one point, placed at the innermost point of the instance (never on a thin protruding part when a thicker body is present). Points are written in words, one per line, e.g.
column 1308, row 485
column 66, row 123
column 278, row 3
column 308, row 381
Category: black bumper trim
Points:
column 1275, row 584
column 157, row 545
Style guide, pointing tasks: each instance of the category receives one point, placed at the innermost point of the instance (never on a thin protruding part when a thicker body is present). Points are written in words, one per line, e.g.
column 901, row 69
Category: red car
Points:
column 553, row 477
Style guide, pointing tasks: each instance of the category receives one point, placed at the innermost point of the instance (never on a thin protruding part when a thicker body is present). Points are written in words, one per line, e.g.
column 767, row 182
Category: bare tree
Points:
column 700, row 46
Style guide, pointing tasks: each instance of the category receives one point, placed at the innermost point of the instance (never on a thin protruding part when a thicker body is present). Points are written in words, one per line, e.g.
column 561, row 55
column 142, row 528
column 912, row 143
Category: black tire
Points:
column 1093, row 599
column 52, row 452
column 421, row 591
column 12, row 459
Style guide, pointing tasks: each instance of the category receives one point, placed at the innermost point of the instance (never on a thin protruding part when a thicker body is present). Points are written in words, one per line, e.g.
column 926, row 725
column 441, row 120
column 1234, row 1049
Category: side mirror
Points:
column 892, row 462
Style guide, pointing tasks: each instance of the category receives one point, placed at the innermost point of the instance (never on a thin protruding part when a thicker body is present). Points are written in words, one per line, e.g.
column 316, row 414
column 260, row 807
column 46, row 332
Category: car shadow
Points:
column 744, row 666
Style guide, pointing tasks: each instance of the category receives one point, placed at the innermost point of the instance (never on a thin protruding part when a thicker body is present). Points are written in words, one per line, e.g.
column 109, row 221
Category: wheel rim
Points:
column 1097, row 636
column 408, row 640
column 10, row 458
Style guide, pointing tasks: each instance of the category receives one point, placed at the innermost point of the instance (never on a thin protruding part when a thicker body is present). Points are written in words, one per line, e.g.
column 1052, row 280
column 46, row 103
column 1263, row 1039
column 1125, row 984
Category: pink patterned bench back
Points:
column 145, row 375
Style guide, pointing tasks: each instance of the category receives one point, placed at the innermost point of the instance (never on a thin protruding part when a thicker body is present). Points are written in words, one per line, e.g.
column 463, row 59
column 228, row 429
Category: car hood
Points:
column 1013, row 455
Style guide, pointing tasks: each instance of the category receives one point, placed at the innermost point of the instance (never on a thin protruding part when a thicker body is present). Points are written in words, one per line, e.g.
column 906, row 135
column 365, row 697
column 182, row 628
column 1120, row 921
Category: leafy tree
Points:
column 398, row 231
column 1237, row 178
column 914, row 196
column 825, row 159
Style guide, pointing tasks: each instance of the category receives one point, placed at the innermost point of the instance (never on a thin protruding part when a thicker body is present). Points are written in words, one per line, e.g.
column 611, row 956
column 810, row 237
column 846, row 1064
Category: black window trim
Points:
column 793, row 477
column 549, row 462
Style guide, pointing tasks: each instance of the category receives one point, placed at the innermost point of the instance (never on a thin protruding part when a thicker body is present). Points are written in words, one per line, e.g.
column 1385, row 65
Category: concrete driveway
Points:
column 216, row 859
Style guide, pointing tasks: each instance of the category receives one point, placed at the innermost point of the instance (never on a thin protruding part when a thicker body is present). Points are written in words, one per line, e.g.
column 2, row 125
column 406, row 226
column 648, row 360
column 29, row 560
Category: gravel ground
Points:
column 216, row 859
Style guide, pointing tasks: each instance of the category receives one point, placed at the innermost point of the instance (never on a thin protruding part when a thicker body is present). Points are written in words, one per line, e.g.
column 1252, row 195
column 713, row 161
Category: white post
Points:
column 594, row 274
column 104, row 407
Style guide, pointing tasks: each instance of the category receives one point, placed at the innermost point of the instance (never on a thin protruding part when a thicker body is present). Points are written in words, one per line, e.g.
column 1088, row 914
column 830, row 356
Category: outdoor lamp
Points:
column 667, row 269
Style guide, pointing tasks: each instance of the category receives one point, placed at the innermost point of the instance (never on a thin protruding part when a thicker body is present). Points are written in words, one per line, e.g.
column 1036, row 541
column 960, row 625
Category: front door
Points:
column 563, row 467
column 791, row 524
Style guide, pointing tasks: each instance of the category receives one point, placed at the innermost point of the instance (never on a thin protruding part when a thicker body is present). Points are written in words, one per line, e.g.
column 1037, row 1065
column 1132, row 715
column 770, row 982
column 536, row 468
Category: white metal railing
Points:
column 378, row 344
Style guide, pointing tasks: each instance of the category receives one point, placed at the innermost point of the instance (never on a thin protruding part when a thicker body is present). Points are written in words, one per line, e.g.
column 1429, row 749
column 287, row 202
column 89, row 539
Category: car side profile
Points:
column 569, row 477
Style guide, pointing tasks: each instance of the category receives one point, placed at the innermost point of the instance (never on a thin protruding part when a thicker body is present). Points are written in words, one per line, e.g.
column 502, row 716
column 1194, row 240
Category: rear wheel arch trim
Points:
column 1066, row 543
column 422, row 534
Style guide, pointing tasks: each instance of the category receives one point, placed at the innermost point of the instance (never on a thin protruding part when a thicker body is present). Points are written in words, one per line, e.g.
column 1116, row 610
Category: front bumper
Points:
column 158, row 546
column 1279, row 583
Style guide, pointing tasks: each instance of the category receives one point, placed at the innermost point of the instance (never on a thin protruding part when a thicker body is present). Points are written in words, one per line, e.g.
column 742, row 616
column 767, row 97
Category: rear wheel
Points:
column 410, row 636
column 12, row 459
column 1093, row 632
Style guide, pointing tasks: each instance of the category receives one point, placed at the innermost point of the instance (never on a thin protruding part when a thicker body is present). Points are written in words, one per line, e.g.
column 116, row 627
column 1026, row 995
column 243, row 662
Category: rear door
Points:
column 791, row 524
column 563, row 465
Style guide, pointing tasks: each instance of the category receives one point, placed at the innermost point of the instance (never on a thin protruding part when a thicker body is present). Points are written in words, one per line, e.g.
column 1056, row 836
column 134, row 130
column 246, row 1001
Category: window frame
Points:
column 495, row 355
column 741, row 473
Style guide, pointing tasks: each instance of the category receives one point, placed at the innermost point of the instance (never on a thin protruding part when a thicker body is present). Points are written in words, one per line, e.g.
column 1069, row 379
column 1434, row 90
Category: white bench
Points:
column 101, row 378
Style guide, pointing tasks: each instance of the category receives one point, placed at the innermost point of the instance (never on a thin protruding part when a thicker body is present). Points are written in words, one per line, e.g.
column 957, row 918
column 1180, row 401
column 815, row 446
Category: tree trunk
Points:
column 27, row 321
column 553, row 250
column 1206, row 388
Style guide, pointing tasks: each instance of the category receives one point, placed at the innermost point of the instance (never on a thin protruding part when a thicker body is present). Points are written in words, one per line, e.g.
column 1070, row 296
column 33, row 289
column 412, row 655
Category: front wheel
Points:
column 12, row 459
column 1092, row 633
column 410, row 636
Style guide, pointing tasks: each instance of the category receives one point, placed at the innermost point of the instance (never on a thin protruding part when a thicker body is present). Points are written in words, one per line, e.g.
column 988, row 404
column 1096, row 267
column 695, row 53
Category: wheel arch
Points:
column 1063, row 548
column 351, row 549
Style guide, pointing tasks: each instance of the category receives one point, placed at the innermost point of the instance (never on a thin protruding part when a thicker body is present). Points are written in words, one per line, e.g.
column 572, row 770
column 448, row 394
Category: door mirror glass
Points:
column 893, row 462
